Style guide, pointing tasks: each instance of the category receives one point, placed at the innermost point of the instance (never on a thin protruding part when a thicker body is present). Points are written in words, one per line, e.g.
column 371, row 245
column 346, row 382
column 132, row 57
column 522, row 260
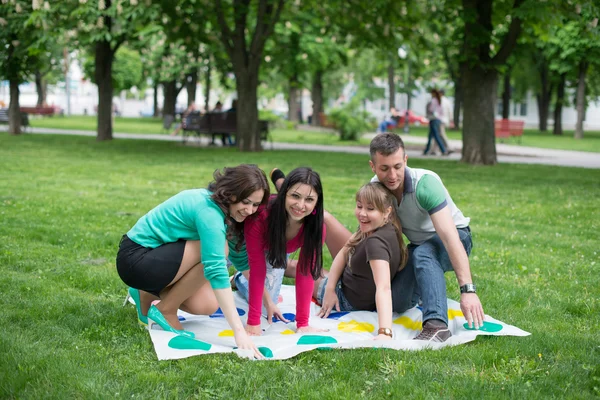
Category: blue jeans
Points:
column 273, row 283
column 344, row 303
column 423, row 277
column 434, row 133
column 383, row 127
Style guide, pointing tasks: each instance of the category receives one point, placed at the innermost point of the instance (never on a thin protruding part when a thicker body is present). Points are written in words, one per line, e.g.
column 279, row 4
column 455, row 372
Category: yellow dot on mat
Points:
column 409, row 323
column 288, row 332
column 355, row 326
column 226, row 332
column 454, row 313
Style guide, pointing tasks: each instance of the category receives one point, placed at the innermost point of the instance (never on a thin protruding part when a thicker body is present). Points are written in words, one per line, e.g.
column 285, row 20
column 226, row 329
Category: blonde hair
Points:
column 378, row 196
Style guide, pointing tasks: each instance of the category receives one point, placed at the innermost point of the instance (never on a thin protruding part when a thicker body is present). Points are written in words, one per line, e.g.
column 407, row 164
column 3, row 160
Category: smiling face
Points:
column 241, row 210
column 300, row 201
column 390, row 169
column 369, row 217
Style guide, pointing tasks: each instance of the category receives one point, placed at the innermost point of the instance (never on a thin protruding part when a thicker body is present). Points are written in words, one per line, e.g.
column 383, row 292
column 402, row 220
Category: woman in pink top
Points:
column 292, row 220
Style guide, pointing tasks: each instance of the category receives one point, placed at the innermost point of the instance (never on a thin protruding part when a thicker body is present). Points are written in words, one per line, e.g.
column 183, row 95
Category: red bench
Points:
column 505, row 128
column 47, row 110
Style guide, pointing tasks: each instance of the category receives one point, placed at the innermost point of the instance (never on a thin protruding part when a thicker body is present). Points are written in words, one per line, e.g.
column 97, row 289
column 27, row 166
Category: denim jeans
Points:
column 434, row 133
column 383, row 127
column 344, row 303
column 423, row 277
column 273, row 283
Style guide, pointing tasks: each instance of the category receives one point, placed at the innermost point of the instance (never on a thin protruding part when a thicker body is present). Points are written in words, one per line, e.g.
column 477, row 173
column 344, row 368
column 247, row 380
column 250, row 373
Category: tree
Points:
column 479, row 74
column 17, row 47
column 102, row 26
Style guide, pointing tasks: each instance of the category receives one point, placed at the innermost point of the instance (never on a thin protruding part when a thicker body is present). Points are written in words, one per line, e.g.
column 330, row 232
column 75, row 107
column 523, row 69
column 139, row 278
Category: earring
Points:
column 314, row 212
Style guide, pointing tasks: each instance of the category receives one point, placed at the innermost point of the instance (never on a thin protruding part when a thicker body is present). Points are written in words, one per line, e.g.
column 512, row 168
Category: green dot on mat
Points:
column 316, row 339
column 324, row 348
column 265, row 351
column 487, row 327
column 186, row 343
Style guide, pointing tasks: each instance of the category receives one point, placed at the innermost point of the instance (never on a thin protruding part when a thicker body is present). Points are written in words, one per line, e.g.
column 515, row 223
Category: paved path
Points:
column 506, row 153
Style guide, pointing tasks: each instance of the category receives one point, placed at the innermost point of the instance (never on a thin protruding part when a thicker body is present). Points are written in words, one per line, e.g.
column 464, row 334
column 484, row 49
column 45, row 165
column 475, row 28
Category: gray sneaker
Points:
column 434, row 331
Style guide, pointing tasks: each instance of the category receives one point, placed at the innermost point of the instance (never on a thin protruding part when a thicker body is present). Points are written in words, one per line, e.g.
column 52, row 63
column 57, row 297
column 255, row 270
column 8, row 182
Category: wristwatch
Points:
column 385, row 331
column 468, row 288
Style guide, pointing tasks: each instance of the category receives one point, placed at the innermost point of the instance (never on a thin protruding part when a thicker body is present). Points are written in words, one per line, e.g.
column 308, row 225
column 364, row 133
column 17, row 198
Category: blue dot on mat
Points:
column 181, row 318
column 337, row 315
column 289, row 316
column 219, row 313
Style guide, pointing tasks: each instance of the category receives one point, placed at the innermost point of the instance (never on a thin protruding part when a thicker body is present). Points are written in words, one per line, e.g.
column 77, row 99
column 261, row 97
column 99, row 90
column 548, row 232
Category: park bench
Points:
column 4, row 118
column 219, row 124
column 47, row 110
column 505, row 129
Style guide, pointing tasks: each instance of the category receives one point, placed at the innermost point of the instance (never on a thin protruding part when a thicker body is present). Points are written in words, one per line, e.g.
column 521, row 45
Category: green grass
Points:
column 531, row 138
column 66, row 201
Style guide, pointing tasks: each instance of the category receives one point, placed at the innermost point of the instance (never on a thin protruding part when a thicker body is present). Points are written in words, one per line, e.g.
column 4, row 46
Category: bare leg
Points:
column 188, row 280
column 337, row 234
column 146, row 300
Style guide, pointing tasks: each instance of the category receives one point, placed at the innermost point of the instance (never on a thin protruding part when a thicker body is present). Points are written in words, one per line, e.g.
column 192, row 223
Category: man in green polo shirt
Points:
column 439, row 235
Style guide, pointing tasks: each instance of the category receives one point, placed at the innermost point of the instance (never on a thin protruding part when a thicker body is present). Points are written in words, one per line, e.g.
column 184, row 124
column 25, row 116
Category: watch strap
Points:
column 385, row 331
column 468, row 288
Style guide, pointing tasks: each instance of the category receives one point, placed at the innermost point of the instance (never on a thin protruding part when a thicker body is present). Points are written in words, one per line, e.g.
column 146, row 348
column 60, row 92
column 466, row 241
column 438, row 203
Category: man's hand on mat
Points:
column 253, row 330
column 243, row 342
column 472, row 309
column 330, row 301
column 273, row 310
column 381, row 336
column 310, row 329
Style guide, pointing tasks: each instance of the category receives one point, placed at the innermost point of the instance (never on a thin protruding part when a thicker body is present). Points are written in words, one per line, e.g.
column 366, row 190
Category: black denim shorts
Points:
column 150, row 270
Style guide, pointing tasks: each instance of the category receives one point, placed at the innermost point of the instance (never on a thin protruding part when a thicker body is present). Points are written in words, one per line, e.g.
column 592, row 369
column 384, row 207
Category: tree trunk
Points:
column 155, row 100
column 104, row 61
column 560, row 98
column 190, row 86
column 544, row 97
column 248, row 136
column 40, row 88
column 583, row 67
column 14, row 110
column 207, row 91
column 391, row 83
column 170, row 98
column 480, row 88
column 293, row 103
column 457, row 103
column 317, row 98
column 506, row 96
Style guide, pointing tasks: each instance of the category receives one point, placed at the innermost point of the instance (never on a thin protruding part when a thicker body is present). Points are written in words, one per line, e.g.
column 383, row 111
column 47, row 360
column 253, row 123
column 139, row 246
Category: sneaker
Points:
column 434, row 331
column 275, row 175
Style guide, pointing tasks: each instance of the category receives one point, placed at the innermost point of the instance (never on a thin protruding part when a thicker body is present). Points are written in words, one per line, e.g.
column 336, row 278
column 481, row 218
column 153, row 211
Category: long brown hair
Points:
column 233, row 185
column 375, row 194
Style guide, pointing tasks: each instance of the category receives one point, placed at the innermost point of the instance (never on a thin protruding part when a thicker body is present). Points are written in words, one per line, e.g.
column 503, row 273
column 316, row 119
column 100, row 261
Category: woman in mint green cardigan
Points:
column 177, row 252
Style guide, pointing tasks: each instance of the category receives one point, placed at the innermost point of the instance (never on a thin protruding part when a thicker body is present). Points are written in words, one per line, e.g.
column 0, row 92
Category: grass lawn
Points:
column 66, row 201
column 531, row 138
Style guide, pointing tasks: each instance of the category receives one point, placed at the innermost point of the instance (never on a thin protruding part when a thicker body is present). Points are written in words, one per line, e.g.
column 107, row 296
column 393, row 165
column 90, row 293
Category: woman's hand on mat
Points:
column 253, row 330
column 381, row 336
column 310, row 329
column 472, row 309
column 243, row 342
column 274, row 311
column 330, row 301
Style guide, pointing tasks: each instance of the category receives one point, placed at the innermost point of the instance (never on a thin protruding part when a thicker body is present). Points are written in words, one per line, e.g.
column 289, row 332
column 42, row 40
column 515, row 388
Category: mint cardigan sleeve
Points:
column 211, row 229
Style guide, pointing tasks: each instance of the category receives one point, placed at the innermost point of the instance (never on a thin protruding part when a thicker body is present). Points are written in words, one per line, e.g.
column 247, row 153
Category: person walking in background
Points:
column 447, row 115
column 435, row 113
column 191, row 109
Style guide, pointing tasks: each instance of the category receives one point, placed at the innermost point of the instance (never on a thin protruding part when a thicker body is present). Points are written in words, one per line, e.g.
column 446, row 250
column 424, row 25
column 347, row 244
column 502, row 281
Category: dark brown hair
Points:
column 385, row 144
column 233, row 185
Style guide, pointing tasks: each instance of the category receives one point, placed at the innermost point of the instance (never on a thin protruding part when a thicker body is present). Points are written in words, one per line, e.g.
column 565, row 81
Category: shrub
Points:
column 350, row 121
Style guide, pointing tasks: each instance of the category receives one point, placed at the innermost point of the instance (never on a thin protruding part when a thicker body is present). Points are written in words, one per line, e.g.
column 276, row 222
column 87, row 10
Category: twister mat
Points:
column 347, row 330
